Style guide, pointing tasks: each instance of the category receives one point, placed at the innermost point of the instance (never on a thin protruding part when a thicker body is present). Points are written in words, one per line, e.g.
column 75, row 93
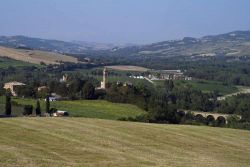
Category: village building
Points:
column 169, row 75
column 12, row 87
column 42, row 88
column 128, row 84
column 65, row 78
column 54, row 97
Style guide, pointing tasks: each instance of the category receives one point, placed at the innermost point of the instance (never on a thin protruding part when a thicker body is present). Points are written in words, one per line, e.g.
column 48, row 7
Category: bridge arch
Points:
column 221, row 121
column 200, row 118
column 210, row 120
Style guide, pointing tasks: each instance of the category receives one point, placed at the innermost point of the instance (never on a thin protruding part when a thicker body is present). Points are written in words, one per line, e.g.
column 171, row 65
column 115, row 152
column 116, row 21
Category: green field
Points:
column 83, row 108
column 5, row 63
column 205, row 86
column 85, row 142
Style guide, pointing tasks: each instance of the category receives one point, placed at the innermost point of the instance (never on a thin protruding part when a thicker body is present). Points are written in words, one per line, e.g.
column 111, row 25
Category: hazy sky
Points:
column 122, row 21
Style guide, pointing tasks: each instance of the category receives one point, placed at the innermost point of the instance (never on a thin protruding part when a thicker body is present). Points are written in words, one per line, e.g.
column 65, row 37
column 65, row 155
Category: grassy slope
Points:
column 5, row 63
column 205, row 86
column 85, row 108
column 35, row 56
column 92, row 142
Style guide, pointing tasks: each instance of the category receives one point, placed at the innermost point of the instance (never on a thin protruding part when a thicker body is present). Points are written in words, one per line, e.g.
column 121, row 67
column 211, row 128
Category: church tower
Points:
column 105, row 78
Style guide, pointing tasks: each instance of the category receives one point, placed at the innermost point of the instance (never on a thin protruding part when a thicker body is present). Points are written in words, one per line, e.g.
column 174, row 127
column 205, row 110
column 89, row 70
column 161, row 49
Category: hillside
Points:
column 231, row 44
column 41, row 44
column 82, row 108
column 35, row 56
column 92, row 142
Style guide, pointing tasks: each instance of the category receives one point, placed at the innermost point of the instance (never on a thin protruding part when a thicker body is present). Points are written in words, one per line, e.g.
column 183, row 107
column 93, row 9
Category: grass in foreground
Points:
column 84, row 108
column 92, row 142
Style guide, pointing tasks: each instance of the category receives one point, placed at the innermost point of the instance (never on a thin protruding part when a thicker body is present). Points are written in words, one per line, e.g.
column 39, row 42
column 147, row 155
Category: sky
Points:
column 122, row 21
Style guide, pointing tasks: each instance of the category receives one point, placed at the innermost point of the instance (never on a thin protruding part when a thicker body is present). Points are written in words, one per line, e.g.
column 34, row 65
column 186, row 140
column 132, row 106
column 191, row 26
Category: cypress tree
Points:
column 8, row 105
column 38, row 108
column 47, row 104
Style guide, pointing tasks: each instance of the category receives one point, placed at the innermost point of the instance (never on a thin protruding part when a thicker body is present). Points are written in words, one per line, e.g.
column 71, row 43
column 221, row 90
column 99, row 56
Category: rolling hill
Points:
column 35, row 56
column 231, row 44
column 92, row 142
column 41, row 44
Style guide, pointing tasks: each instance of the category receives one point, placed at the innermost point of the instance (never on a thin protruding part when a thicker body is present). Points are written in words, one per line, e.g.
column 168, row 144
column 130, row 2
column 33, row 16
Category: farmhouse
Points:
column 12, row 86
column 42, row 88
column 169, row 75
column 65, row 78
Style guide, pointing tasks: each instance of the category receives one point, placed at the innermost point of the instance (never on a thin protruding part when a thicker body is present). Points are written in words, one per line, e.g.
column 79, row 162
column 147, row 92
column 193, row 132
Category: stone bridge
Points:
column 210, row 115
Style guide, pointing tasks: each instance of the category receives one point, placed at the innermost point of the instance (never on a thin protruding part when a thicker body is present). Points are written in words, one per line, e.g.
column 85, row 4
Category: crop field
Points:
column 205, row 86
column 128, row 68
column 29, row 142
column 82, row 108
column 35, row 56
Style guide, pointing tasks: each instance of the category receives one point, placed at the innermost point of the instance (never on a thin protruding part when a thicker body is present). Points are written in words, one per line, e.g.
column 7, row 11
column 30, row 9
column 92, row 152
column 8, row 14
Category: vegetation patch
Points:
column 81, row 108
column 205, row 86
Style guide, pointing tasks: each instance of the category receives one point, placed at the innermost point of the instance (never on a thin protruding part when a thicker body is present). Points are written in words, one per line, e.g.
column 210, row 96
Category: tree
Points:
column 8, row 104
column 52, row 111
column 47, row 104
column 88, row 91
column 28, row 109
column 169, row 85
column 38, row 108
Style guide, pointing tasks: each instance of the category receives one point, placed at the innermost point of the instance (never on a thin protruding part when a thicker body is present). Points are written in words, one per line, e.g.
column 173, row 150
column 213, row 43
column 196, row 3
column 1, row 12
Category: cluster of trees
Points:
column 239, row 105
column 163, row 104
column 28, row 109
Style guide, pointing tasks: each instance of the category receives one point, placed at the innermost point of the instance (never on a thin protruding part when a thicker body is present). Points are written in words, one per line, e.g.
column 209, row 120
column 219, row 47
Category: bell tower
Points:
column 105, row 78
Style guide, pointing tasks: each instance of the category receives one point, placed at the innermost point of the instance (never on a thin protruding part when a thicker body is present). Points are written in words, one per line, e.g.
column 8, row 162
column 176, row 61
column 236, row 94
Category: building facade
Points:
column 12, row 87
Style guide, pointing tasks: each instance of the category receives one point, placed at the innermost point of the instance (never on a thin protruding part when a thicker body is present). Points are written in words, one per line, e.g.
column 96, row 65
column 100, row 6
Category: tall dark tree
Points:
column 169, row 85
column 38, row 108
column 47, row 104
column 8, row 104
column 28, row 110
column 88, row 91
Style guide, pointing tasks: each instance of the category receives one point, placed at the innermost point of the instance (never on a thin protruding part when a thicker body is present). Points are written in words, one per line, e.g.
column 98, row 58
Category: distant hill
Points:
column 35, row 56
column 231, row 44
column 101, row 46
column 234, row 44
column 48, row 45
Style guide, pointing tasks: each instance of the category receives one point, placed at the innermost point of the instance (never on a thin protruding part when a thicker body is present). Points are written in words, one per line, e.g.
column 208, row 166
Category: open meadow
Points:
column 81, row 108
column 205, row 86
column 86, row 142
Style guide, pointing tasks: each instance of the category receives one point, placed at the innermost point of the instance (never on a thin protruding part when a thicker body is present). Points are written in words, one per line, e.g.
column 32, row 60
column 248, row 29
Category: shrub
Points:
column 28, row 109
